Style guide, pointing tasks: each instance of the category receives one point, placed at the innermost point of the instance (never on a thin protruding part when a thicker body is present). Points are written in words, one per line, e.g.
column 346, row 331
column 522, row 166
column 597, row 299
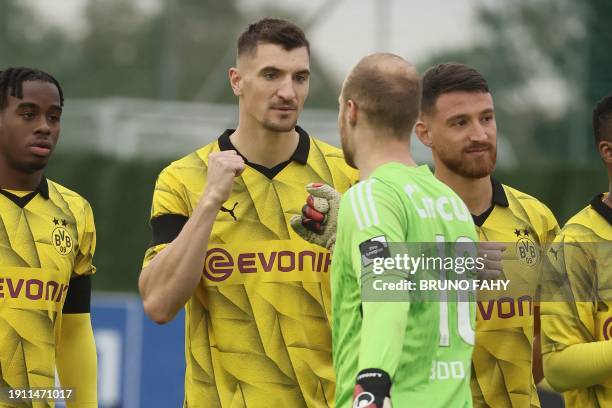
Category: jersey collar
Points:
column 601, row 208
column 499, row 194
column 499, row 198
column 42, row 189
column 300, row 154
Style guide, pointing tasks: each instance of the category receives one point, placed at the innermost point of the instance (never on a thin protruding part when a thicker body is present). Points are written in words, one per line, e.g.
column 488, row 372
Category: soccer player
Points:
column 256, row 295
column 47, row 241
column 576, row 335
column 386, row 350
column 458, row 123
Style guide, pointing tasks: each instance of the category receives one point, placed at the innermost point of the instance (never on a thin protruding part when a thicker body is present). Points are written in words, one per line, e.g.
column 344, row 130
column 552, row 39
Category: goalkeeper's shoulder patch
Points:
column 376, row 247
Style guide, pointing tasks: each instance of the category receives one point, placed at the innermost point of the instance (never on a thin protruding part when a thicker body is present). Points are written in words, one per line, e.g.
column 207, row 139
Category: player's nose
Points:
column 286, row 90
column 42, row 127
column 479, row 133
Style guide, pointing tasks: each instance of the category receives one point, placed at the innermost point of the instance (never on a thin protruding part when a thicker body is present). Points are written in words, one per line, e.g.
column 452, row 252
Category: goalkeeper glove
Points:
column 317, row 224
column 372, row 390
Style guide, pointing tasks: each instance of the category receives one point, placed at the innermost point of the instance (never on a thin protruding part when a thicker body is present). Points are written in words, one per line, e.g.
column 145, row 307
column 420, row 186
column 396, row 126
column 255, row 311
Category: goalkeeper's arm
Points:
column 383, row 322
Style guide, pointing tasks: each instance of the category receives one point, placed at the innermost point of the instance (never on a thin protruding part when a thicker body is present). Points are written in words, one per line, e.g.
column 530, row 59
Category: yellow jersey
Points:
column 502, row 358
column 582, row 254
column 258, row 325
column 47, row 242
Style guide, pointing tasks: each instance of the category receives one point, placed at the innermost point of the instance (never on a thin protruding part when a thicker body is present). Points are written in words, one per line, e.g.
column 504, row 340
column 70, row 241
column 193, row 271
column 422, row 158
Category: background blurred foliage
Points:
column 182, row 52
column 562, row 43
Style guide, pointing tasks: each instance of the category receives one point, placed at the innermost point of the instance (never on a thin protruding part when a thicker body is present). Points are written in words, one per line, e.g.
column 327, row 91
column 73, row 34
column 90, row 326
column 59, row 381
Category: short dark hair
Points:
column 602, row 119
column 449, row 77
column 388, row 89
column 272, row 31
column 12, row 79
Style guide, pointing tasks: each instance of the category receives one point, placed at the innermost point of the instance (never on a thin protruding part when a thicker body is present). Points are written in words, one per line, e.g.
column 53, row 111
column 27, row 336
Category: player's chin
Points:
column 34, row 164
column 281, row 125
column 480, row 168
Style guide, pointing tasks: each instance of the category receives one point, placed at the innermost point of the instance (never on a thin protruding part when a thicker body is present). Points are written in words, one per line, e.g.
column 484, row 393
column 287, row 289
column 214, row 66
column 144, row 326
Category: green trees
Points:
column 547, row 62
column 180, row 50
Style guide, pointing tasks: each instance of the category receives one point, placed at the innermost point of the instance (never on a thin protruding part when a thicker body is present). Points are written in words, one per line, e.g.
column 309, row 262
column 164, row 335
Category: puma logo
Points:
column 230, row 212
column 555, row 253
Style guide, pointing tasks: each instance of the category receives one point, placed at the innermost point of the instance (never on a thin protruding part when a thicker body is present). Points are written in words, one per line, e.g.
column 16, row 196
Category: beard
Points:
column 279, row 126
column 469, row 168
column 280, row 123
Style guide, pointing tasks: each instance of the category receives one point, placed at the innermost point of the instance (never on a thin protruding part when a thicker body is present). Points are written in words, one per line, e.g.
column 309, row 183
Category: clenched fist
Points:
column 223, row 167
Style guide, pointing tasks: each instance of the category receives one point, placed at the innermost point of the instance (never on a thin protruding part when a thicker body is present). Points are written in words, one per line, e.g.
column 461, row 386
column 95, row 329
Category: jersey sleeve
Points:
column 78, row 298
column 83, row 264
column 579, row 366
column 77, row 360
column 550, row 227
column 568, row 307
column 169, row 213
column 377, row 217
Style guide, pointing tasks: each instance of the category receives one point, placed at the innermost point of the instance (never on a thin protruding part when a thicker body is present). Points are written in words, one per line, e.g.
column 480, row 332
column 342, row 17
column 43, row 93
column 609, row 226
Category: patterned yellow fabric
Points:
column 502, row 359
column 46, row 238
column 582, row 253
column 258, row 327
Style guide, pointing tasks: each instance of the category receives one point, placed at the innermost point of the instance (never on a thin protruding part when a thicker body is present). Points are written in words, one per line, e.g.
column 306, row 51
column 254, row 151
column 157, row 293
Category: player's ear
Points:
column 352, row 111
column 422, row 132
column 605, row 151
column 235, row 80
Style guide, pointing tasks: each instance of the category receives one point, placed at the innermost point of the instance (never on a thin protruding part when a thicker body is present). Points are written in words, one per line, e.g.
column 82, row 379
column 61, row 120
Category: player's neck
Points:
column 11, row 179
column 379, row 152
column 264, row 147
column 477, row 194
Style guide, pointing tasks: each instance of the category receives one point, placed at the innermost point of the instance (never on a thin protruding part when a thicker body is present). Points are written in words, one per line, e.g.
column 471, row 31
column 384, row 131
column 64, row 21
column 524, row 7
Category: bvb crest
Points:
column 526, row 249
column 60, row 238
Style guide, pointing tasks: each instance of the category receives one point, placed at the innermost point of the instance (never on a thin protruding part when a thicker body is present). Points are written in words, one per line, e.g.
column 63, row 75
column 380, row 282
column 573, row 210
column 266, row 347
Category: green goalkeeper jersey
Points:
column 424, row 346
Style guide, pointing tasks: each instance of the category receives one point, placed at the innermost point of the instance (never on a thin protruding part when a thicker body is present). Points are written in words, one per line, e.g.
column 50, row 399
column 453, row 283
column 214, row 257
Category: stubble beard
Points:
column 474, row 169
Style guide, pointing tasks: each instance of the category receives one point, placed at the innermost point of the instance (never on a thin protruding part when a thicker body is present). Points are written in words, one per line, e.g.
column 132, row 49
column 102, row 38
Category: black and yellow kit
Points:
column 47, row 242
column 502, row 359
column 258, row 326
column 576, row 329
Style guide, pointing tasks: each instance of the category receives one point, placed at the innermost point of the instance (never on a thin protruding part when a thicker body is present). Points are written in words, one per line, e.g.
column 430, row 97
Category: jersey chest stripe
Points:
column 354, row 206
column 362, row 204
column 371, row 201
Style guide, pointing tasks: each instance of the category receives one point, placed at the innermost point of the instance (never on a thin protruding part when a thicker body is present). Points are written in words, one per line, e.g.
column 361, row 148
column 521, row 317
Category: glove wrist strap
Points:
column 372, row 387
